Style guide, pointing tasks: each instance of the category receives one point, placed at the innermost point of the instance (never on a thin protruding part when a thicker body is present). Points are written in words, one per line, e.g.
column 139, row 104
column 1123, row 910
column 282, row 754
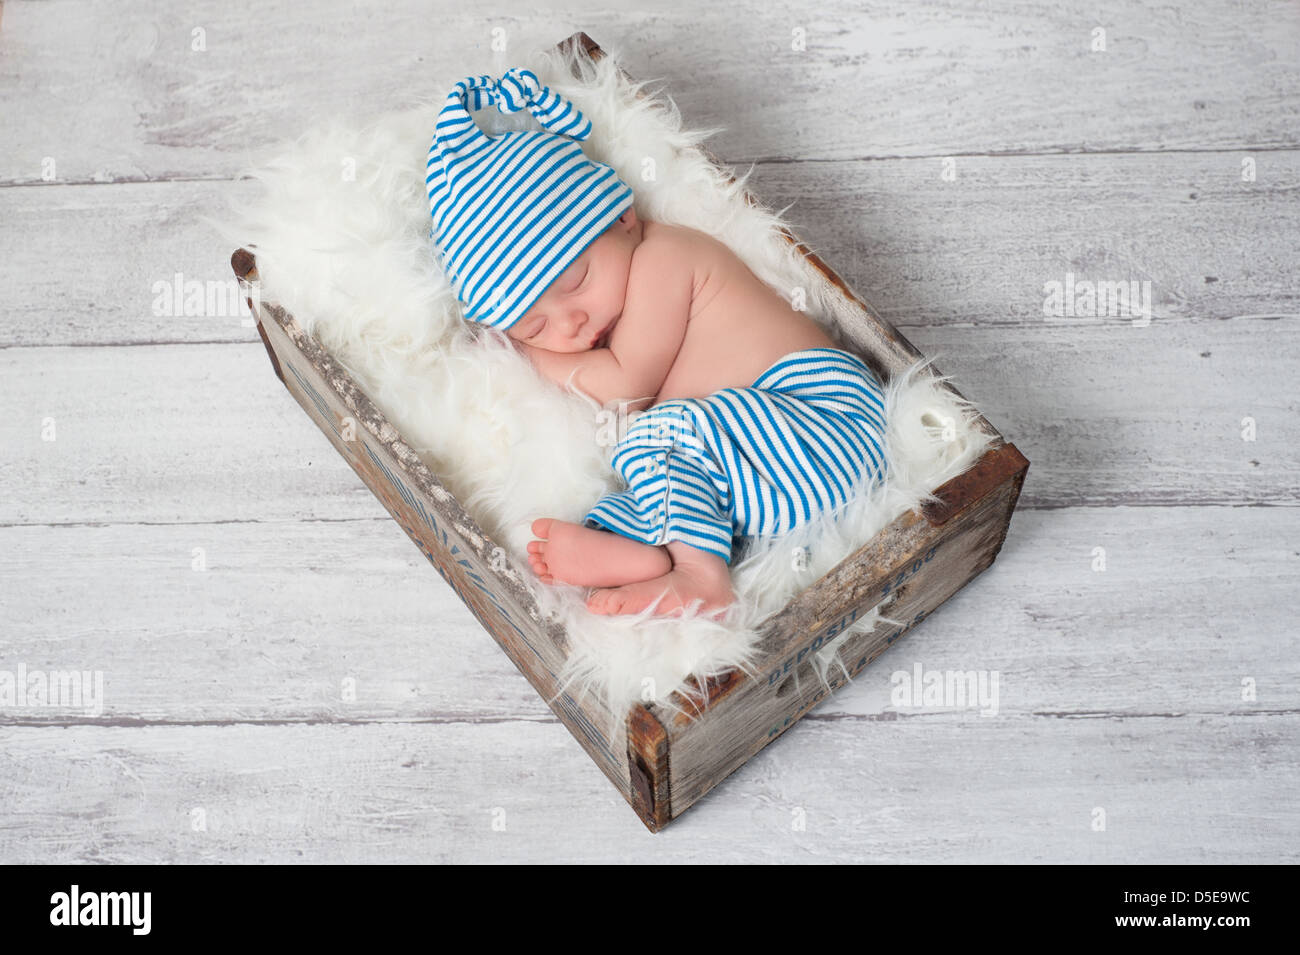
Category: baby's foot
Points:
column 588, row 557
column 696, row 576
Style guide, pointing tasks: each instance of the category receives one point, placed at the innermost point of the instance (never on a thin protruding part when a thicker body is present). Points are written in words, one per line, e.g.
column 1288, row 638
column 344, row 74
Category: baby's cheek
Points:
column 617, row 302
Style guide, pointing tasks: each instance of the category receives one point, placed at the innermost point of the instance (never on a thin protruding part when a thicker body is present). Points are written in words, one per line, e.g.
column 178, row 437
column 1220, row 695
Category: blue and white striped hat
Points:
column 512, row 212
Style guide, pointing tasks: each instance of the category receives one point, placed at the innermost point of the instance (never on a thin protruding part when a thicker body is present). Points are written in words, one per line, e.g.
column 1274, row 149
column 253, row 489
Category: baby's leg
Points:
column 592, row 557
column 696, row 575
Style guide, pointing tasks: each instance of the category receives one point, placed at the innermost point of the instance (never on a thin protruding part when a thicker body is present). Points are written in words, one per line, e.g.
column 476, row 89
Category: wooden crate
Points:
column 665, row 758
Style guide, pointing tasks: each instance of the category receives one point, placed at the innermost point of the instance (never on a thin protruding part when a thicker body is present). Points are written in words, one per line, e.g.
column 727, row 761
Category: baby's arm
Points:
column 656, row 308
column 647, row 338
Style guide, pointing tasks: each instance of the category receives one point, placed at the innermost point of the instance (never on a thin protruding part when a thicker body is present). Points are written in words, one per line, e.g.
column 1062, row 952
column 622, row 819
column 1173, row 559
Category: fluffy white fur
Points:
column 341, row 242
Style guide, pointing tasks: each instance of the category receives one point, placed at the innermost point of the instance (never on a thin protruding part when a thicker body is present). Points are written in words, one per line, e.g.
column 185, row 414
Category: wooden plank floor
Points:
column 192, row 536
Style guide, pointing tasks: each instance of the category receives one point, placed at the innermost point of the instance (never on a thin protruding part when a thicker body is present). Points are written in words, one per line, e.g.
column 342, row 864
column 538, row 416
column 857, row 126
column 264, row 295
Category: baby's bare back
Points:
column 737, row 326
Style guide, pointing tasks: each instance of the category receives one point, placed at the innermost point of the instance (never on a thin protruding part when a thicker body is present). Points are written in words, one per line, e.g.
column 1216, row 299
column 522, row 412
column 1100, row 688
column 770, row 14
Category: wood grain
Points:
column 920, row 250
column 892, row 791
column 1189, row 602
column 205, row 433
column 115, row 98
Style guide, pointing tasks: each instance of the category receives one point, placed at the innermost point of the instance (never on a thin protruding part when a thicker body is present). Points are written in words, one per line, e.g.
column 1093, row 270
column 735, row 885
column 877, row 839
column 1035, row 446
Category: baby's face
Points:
column 578, row 310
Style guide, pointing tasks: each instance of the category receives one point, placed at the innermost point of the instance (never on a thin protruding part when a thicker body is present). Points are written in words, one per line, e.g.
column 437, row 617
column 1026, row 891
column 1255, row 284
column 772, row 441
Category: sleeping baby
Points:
column 747, row 420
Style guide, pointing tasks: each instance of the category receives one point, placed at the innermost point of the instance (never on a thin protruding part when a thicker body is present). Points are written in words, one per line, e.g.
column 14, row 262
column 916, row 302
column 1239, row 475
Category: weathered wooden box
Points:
column 664, row 758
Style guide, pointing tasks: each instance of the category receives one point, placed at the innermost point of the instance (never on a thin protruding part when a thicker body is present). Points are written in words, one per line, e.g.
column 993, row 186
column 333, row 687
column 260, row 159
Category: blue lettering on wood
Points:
column 321, row 405
column 470, row 570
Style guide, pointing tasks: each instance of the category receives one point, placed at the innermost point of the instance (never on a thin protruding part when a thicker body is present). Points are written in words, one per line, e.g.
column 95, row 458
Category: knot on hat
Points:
column 518, row 88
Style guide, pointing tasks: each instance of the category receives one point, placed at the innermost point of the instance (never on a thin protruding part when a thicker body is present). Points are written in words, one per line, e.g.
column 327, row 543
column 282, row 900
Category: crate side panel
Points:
column 844, row 592
column 937, row 562
column 537, row 654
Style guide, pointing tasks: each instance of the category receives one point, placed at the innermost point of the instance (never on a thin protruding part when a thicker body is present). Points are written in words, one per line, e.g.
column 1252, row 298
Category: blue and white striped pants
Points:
column 761, row 460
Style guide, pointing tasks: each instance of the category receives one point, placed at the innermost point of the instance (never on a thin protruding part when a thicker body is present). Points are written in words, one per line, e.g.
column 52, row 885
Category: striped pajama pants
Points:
column 761, row 460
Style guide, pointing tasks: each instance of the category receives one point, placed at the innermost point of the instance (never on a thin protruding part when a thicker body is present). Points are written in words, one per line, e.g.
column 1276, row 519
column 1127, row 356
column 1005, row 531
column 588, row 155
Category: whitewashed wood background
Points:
column 1120, row 690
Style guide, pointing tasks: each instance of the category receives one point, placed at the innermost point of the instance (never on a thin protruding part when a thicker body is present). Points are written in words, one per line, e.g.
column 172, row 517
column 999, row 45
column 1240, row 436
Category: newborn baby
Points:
column 750, row 420
column 657, row 312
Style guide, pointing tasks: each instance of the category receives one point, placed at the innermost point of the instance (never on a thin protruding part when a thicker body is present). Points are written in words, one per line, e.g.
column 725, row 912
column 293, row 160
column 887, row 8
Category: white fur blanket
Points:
column 341, row 239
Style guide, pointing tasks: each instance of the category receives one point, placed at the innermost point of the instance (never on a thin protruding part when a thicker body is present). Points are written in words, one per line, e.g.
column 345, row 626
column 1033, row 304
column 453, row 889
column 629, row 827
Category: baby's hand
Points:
column 555, row 366
column 600, row 375
column 541, row 359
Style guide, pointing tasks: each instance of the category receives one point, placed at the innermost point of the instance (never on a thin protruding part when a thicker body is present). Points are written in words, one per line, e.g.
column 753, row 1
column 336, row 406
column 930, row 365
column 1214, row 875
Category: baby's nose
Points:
column 577, row 320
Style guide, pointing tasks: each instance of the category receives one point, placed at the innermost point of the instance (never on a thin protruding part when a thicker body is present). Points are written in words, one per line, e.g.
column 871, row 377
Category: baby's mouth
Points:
column 603, row 338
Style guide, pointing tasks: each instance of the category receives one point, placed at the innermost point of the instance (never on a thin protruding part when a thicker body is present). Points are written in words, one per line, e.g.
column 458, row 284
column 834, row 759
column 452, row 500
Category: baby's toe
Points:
column 542, row 527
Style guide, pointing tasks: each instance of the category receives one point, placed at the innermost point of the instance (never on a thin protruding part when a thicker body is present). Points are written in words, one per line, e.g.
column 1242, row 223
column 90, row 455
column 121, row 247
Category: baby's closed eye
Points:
column 586, row 273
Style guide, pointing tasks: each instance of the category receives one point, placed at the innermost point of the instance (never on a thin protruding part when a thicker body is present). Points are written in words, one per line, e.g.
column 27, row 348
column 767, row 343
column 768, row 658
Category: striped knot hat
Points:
column 512, row 212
